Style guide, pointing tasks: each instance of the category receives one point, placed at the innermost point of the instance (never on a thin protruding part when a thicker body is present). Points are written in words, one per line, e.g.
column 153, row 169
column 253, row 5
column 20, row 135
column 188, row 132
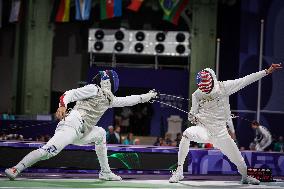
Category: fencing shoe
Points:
column 176, row 176
column 250, row 180
column 12, row 173
column 109, row 176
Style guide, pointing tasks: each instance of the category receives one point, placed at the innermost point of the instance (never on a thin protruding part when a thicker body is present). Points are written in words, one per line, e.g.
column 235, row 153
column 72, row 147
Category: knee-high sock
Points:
column 101, row 151
column 243, row 170
column 183, row 151
column 29, row 160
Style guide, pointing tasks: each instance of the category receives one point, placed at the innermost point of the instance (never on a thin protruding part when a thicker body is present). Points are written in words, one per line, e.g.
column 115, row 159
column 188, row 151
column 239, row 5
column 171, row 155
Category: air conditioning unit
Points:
column 139, row 42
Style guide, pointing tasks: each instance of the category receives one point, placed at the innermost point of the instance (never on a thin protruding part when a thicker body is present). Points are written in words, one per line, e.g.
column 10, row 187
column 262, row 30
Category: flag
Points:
column 204, row 81
column 168, row 5
column 135, row 5
column 174, row 15
column 83, row 9
column 15, row 11
column 110, row 8
column 60, row 11
column 1, row 4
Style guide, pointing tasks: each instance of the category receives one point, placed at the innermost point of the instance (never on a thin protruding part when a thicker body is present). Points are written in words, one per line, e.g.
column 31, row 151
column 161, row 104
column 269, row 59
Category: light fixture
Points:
column 180, row 37
column 180, row 49
column 160, row 36
column 98, row 46
column 119, row 46
column 139, row 47
column 160, row 48
column 140, row 36
column 119, row 35
column 99, row 34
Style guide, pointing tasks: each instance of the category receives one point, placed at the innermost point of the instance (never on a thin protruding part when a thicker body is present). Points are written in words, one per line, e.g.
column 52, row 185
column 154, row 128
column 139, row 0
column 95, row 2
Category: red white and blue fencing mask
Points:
column 205, row 81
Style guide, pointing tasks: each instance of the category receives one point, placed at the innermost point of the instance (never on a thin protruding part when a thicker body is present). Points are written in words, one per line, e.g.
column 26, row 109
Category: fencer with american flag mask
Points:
column 205, row 81
column 79, row 126
column 210, row 112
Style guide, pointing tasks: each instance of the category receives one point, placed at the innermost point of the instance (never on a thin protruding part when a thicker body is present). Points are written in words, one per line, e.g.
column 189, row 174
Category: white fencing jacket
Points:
column 261, row 133
column 92, row 102
column 213, row 110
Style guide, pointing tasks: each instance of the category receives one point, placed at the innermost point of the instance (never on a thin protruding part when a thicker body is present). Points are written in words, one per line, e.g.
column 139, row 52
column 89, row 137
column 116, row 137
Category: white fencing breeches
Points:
column 98, row 136
column 62, row 137
column 65, row 134
column 224, row 142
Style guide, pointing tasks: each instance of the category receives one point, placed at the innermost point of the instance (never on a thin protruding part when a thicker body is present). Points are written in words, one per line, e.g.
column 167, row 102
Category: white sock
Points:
column 182, row 153
column 101, row 151
column 29, row 160
column 242, row 170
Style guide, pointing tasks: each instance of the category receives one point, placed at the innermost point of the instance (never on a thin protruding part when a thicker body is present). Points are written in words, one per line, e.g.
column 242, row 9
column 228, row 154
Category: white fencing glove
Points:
column 192, row 118
column 148, row 96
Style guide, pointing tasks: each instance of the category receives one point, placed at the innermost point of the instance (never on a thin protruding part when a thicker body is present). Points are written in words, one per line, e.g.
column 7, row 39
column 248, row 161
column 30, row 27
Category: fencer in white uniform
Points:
column 210, row 111
column 262, row 137
column 78, row 127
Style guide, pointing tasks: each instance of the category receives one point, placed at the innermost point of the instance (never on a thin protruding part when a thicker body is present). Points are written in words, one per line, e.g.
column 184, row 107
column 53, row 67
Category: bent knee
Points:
column 100, row 137
column 101, row 131
column 196, row 134
column 188, row 134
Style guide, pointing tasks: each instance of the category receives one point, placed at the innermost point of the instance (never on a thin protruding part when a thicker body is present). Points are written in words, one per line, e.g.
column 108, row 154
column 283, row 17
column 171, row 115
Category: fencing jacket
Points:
column 213, row 110
column 92, row 102
column 261, row 134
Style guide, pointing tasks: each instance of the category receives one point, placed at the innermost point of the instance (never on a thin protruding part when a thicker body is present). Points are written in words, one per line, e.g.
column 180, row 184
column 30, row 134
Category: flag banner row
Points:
column 172, row 9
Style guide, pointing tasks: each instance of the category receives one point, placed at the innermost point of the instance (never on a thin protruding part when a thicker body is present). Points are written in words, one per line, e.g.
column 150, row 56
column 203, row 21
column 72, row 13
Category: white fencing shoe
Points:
column 109, row 176
column 12, row 173
column 250, row 180
column 176, row 176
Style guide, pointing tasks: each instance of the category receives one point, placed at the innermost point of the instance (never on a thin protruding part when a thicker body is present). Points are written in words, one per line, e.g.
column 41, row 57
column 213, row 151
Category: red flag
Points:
column 135, row 5
column 110, row 8
column 60, row 11
column 63, row 11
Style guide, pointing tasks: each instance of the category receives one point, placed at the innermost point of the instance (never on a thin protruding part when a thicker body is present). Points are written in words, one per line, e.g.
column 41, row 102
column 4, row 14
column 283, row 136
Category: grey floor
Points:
column 58, row 180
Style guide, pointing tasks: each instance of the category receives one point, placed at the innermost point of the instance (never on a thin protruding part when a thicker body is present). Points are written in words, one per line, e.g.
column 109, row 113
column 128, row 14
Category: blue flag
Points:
column 83, row 9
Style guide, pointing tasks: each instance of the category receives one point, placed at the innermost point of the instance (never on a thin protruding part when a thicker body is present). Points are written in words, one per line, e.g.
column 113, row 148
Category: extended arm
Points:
column 126, row 101
column 133, row 99
column 232, row 86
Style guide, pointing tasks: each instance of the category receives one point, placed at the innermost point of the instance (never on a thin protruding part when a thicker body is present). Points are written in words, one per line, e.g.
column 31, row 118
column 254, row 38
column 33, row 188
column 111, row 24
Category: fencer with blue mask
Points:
column 79, row 125
column 210, row 112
